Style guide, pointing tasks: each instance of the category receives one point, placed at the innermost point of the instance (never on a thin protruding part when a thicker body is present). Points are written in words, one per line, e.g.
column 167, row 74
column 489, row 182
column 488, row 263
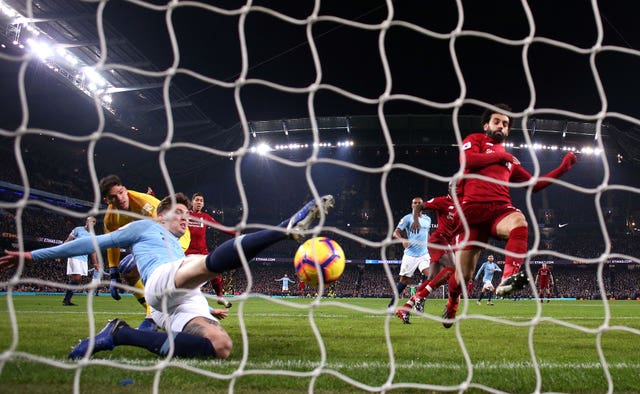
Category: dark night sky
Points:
column 420, row 65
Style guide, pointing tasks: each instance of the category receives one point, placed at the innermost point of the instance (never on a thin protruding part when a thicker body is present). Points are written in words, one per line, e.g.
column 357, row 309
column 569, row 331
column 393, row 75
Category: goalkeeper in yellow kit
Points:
column 124, row 207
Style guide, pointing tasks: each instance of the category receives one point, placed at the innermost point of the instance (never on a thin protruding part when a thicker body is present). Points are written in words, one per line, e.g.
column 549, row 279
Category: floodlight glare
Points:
column 262, row 149
column 8, row 11
column 587, row 150
column 93, row 76
column 41, row 49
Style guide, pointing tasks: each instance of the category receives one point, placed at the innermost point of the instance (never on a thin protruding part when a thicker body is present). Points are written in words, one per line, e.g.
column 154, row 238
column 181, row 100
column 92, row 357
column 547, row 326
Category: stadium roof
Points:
column 139, row 51
column 71, row 26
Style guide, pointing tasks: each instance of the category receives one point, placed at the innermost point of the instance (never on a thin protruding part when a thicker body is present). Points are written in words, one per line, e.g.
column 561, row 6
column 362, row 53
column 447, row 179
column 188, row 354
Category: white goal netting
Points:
column 263, row 106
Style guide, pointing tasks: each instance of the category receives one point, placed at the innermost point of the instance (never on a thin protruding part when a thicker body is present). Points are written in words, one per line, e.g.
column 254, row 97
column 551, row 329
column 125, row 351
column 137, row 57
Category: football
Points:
column 324, row 251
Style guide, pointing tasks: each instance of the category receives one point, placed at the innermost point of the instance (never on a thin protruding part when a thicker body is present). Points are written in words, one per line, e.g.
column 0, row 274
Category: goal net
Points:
column 263, row 106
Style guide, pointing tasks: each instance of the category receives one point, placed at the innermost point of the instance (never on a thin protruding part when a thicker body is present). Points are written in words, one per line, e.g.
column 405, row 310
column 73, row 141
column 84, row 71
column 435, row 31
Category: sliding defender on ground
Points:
column 172, row 280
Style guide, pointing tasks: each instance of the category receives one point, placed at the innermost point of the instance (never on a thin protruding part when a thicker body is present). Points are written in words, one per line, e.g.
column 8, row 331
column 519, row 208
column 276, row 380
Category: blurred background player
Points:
column 301, row 289
column 487, row 270
column 77, row 265
column 126, row 206
column 416, row 254
column 487, row 205
column 285, row 284
column 199, row 222
column 544, row 279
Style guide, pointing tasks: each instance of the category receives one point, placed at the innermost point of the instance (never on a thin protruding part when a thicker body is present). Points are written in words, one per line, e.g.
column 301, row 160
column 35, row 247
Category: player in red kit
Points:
column 442, row 258
column 199, row 222
column 487, row 207
column 544, row 279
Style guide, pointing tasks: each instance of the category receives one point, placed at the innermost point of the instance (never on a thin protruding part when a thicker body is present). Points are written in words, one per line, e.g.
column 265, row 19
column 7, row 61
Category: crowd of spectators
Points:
column 574, row 278
column 49, row 178
column 365, row 280
column 370, row 280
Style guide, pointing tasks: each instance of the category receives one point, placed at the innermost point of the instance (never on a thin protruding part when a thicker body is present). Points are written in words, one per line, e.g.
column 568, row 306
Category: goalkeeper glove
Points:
column 113, row 286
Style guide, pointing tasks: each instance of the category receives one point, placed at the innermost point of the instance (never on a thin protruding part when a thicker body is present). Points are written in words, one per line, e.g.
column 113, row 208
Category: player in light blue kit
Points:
column 416, row 254
column 77, row 266
column 172, row 280
column 285, row 283
column 487, row 270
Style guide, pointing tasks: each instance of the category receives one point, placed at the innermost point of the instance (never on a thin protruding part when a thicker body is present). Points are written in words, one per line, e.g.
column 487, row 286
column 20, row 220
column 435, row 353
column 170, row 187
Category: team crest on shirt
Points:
column 147, row 209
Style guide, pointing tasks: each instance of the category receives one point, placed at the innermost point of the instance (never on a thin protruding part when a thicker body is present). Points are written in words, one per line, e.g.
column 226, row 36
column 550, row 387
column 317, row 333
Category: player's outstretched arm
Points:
column 11, row 259
column 567, row 162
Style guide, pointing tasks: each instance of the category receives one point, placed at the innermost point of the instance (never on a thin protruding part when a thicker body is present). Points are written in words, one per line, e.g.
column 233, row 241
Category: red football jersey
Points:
column 445, row 213
column 198, row 229
column 544, row 275
column 486, row 157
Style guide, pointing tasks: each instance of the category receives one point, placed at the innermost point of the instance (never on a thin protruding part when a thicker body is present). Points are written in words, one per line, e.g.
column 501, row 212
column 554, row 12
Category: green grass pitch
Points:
column 282, row 354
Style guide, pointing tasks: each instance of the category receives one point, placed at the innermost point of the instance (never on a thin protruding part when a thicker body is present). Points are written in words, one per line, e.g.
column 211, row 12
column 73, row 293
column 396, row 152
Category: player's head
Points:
column 90, row 222
column 416, row 202
column 174, row 217
column 490, row 258
column 496, row 124
column 113, row 192
column 197, row 202
column 544, row 265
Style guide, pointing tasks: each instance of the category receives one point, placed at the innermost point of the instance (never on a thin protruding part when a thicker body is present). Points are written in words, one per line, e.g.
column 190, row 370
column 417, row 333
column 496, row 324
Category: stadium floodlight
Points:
column 94, row 77
column 345, row 144
column 587, row 150
column 262, row 149
column 64, row 54
column 40, row 48
column 8, row 11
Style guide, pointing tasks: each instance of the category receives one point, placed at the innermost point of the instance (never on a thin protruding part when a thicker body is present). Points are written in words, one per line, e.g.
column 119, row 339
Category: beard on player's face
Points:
column 498, row 135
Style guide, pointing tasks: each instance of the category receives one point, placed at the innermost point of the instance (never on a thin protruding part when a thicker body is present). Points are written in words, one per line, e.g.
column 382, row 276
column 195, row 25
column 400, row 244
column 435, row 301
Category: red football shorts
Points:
column 483, row 219
column 444, row 246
